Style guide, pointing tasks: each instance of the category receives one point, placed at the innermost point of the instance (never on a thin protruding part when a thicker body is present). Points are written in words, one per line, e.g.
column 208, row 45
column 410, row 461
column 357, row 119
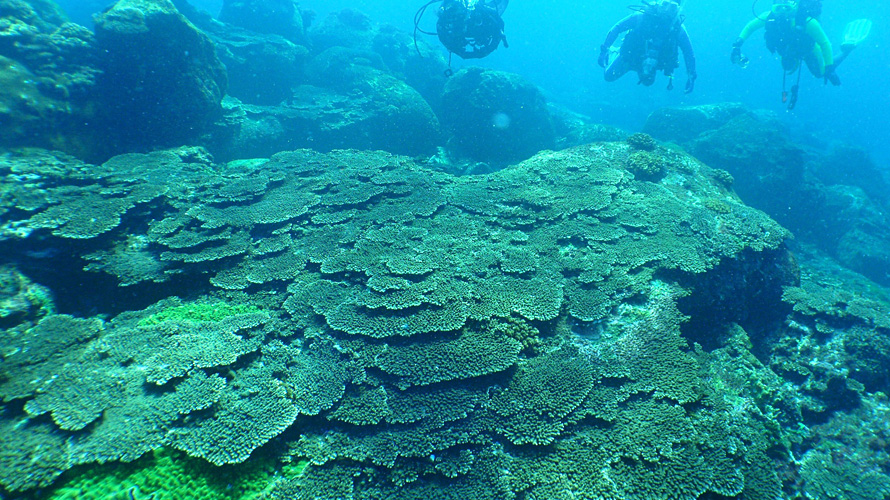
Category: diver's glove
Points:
column 604, row 56
column 690, row 83
column 831, row 75
column 736, row 56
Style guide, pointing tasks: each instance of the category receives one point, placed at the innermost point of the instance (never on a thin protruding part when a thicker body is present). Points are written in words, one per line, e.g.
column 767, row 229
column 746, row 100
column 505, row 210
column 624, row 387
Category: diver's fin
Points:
column 855, row 32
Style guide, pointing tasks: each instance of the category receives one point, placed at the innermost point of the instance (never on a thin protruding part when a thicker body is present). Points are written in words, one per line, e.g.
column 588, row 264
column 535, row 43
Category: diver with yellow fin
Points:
column 792, row 30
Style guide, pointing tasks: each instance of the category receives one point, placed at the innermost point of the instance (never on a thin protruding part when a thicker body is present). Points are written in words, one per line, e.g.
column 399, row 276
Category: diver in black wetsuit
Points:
column 654, row 34
column 472, row 29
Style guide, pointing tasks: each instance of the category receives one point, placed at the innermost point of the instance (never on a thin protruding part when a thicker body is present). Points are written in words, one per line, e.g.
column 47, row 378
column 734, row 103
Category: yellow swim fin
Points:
column 855, row 32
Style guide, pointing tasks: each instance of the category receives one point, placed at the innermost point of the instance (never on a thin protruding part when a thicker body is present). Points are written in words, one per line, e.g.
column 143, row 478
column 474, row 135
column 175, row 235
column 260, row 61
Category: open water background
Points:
column 554, row 43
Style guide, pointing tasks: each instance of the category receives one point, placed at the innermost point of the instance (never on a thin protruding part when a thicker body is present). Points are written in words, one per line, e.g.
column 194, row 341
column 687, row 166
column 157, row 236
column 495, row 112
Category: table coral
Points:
column 401, row 329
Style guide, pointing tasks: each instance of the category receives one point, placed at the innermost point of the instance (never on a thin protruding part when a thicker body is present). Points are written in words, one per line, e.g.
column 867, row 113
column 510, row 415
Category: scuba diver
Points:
column 472, row 29
column 792, row 30
column 654, row 33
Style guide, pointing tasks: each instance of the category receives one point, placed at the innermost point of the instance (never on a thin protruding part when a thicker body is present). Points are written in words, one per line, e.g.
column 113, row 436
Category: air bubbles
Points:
column 500, row 121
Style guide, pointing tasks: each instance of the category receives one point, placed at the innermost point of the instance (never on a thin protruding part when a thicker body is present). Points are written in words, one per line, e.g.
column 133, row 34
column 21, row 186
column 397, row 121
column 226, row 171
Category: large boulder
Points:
column 276, row 17
column 262, row 69
column 852, row 166
column 387, row 115
column 48, row 71
column 768, row 168
column 683, row 124
column 162, row 80
column 574, row 129
column 350, row 102
column 418, row 65
column 835, row 200
column 495, row 117
column 344, row 28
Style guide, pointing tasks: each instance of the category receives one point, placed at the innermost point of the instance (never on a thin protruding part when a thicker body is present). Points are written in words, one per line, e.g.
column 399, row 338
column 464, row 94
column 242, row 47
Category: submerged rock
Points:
column 847, row 165
column 162, row 81
column 683, row 124
column 381, row 112
column 261, row 69
column 836, row 200
column 573, row 129
column 495, row 117
column 48, row 71
column 420, row 66
column 273, row 17
column 21, row 300
column 348, row 28
column 768, row 168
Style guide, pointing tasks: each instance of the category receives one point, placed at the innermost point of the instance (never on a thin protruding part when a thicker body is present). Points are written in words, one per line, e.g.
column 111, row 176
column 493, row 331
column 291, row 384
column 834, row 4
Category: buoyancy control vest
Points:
column 785, row 32
column 654, row 38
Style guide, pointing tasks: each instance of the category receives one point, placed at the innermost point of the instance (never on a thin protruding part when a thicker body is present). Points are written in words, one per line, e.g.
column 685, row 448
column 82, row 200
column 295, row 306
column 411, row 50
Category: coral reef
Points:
column 645, row 165
column 812, row 192
column 162, row 474
column 514, row 318
column 21, row 300
column 241, row 318
column 643, row 142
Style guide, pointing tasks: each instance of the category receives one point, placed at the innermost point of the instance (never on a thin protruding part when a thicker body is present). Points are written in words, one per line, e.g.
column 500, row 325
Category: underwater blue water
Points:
column 554, row 42
column 823, row 343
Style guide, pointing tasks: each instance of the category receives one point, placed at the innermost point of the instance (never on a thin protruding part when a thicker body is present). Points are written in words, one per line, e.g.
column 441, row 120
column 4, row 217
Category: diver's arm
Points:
column 753, row 25
column 688, row 53
column 501, row 6
column 815, row 31
column 685, row 45
column 623, row 25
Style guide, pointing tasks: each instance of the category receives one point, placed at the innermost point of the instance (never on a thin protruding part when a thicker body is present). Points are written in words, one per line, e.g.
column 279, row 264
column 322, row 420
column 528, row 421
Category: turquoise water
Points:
column 295, row 256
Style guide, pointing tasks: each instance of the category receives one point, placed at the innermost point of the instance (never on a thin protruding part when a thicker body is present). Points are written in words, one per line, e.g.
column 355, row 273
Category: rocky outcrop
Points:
column 386, row 114
column 48, row 70
column 495, row 117
column 836, row 200
column 162, row 82
column 272, row 17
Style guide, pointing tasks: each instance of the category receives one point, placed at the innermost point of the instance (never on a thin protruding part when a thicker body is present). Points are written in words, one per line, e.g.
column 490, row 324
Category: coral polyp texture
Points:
column 400, row 332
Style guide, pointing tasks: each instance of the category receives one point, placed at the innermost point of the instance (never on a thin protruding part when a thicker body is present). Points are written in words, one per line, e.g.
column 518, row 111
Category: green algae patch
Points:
column 167, row 475
column 200, row 313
